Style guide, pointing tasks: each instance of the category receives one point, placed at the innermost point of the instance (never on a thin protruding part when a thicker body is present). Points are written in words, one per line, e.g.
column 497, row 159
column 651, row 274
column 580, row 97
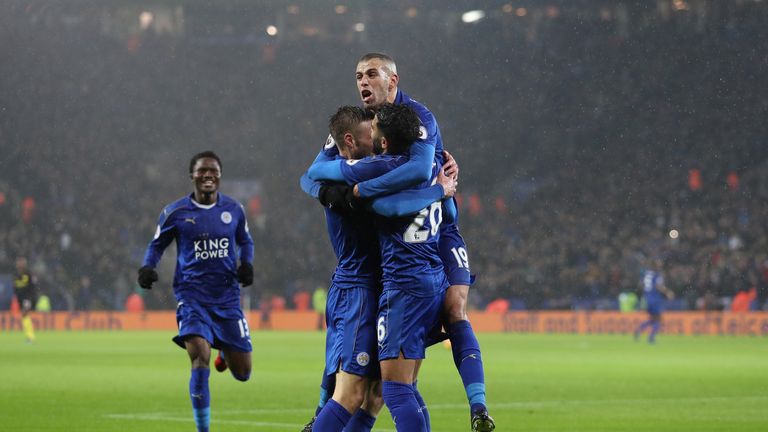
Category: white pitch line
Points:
column 171, row 418
column 504, row 406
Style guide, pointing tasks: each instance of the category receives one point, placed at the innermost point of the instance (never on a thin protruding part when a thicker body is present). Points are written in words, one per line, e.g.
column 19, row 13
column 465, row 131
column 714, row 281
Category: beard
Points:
column 377, row 147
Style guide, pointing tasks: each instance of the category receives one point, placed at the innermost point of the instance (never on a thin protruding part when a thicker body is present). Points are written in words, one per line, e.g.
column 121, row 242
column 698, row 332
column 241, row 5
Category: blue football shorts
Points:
column 655, row 307
column 453, row 253
column 404, row 323
column 350, row 341
column 225, row 328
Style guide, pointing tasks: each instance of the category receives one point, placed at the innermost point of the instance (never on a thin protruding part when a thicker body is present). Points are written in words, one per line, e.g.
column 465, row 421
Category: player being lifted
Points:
column 351, row 313
column 211, row 232
column 377, row 83
column 413, row 278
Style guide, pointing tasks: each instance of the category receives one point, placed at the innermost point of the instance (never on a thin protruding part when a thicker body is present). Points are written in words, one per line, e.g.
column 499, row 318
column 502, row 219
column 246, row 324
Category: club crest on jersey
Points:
column 226, row 217
column 422, row 132
column 363, row 359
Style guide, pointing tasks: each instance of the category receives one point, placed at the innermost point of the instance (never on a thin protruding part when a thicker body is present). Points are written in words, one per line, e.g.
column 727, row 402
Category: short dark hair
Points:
column 389, row 62
column 201, row 155
column 400, row 125
column 346, row 119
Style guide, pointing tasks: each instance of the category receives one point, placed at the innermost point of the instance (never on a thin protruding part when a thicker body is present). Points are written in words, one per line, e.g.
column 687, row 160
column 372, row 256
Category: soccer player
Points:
column 211, row 232
column 414, row 281
column 25, row 288
column 377, row 83
column 654, row 292
column 353, row 297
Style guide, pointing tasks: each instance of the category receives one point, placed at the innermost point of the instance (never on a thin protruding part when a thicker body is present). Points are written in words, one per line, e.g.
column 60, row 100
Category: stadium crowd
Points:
column 587, row 142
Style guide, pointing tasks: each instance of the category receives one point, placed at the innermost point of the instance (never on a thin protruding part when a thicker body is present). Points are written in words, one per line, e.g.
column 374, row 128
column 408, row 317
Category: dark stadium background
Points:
column 586, row 131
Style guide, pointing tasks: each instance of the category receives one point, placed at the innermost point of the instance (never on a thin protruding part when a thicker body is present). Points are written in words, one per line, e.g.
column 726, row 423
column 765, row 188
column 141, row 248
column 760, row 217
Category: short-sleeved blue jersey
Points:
column 209, row 241
column 651, row 282
column 409, row 254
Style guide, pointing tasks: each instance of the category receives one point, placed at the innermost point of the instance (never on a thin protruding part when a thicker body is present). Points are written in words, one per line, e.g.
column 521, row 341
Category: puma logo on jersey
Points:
column 190, row 220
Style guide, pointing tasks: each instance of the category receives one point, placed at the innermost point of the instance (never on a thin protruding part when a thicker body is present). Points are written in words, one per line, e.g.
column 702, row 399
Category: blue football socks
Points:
column 402, row 404
column 466, row 356
column 327, row 387
column 361, row 422
column 422, row 404
column 201, row 398
column 332, row 418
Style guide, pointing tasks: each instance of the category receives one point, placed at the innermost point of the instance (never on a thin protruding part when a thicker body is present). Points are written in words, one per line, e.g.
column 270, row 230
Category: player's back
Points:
column 409, row 250
column 651, row 281
column 356, row 246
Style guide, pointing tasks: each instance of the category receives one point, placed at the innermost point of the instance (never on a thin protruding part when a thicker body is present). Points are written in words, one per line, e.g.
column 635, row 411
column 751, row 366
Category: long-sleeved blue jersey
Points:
column 409, row 254
column 209, row 241
column 423, row 152
column 353, row 237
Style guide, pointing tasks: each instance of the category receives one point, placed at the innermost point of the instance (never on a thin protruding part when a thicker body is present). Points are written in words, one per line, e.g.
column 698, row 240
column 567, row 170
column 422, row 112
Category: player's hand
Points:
column 147, row 276
column 450, row 166
column 338, row 197
column 245, row 274
column 448, row 183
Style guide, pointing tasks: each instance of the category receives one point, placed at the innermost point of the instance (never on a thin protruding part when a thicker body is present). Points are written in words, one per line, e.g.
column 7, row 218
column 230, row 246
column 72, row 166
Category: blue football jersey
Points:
column 651, row 282
column 356, row 246
column 409, row 254
column 209, row 241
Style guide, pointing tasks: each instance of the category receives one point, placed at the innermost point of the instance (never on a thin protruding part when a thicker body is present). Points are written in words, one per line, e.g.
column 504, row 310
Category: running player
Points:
column 211, row 232
column 654, row 292
column 25, row 288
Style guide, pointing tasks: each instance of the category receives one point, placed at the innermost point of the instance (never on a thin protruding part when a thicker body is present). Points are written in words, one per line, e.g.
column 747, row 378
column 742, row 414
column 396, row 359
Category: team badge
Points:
column 363, row 359
column 330, row 142
column 422, row 132
column 226, row 217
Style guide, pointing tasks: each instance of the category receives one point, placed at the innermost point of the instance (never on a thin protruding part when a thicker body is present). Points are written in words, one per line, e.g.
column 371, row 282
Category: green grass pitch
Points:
column 137, row 381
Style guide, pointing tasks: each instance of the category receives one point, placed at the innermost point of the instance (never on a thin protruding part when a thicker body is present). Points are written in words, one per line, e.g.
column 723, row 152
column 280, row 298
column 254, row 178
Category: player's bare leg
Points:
column 466, row 355
column 239, row 364
column 374, row 401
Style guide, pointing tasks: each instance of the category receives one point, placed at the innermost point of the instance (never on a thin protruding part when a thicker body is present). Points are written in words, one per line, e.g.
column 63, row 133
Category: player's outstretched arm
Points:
column 412, row 201
column 417, row 170
column 407, row 202
column 327, row 154
column 326, row 171
column 310, row 187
